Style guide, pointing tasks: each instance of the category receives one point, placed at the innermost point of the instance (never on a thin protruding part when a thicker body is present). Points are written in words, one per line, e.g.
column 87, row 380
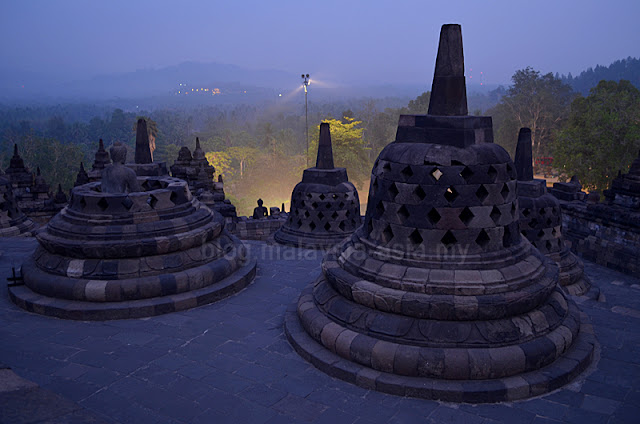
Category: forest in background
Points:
column 260, row 150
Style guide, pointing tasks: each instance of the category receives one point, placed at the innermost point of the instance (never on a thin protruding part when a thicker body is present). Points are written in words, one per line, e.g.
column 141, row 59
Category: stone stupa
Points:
column 101, row 160
column 12, row 221
column 129, row 247
column 325, row 207
column 438, row 295
column 541, row 220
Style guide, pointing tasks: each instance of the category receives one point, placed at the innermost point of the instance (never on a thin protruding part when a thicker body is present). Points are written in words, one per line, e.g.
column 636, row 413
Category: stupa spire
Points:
column 448, row 91
column 524, row 156
column 143, row 152
column 325, row 151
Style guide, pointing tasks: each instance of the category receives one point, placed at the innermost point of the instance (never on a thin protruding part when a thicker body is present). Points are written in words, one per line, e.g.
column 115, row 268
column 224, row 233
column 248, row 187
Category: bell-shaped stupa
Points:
column 12, row 221
column 437, row 295
column 325, row 207
column 541, row 220
column 129, row 247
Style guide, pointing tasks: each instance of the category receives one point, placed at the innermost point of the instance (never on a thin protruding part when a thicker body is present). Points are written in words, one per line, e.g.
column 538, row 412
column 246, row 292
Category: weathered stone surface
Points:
column 13, row 222
column 438, row 284
column 115, row 254
column 541, row 220
column 325, row 207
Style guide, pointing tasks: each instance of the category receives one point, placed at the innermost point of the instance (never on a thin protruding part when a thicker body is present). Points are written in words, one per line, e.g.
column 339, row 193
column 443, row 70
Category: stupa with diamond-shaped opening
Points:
column 541, row 220
column 146, row 249
column 325, row 207
column 438, row 295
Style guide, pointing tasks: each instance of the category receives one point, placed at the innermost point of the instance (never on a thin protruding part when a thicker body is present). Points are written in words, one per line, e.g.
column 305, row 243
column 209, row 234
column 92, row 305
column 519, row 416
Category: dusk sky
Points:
column 370, row 41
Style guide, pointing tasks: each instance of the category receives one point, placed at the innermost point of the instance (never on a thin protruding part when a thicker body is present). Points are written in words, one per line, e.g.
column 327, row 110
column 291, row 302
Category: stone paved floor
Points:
column 230, row 362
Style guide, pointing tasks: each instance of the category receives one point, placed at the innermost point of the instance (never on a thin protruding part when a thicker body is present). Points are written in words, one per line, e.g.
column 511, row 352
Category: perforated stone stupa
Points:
column 12, row 221
column 438, row 295
column 199, row 173
column 127, row 248
column 541, row 220
column 325, row 207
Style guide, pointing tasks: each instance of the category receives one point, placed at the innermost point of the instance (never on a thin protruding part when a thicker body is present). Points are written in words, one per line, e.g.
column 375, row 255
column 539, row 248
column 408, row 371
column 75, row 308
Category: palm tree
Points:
column 152, row 131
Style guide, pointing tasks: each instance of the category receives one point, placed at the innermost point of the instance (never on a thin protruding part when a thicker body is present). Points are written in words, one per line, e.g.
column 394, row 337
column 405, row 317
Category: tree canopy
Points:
column 602, row 135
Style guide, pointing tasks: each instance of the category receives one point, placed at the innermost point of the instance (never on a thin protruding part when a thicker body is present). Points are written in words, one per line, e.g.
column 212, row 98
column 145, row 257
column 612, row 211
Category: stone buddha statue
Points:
column 260, row 212
column 117, row 178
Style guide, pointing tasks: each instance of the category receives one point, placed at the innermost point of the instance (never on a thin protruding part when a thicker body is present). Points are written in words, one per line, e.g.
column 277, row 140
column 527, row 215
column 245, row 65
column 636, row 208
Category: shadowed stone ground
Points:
column 230, row 362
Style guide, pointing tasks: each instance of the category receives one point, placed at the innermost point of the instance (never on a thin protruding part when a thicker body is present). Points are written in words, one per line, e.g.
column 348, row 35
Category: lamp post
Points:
column 305, row 83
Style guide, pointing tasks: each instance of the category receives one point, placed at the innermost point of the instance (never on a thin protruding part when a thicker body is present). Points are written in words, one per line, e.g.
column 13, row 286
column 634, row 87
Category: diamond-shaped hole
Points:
column 513, row 210
column 466, row 173
column 450, row 194
column 103, row 204
column 541, row 211
column 433, row 216
column 407, row 172
column 83, row 202
column 309, row 195
column 483, row 239
column 387, row 234
column 327, row 205
column 312, row 225
column 482, row 193
column 386, row 167
column 320, row 215
column 403, row 213
column 466, row 216
column 510, row 170
column 306, row 214
column 314, row 205
column 342, row 226
column 127, row 203
column 347, row 213
column 393, row 191
column 548, row 245
column 299, row 223
column 526, row 212
column 415, row 238
column 334, row 215
column 549, row 222
column 448, row 239
column 554, row 232
column 533, row 223
column 327, row 226
column 436, row 174
column 420, row 193
column 540, row 233
column 495, row 215
column 341, row 205
column 152, row 201
column 322, row 196
column 505, row 191
column 335, row 196
column 492, row 173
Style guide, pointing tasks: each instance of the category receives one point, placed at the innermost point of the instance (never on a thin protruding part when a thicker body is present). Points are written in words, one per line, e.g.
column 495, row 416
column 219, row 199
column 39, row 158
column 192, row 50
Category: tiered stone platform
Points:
column 129, row 255
column 438, row 295
column 12, row 221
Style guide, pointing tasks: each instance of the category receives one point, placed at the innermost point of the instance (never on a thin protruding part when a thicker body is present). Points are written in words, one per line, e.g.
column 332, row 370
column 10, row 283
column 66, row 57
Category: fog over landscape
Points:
column 98, row 50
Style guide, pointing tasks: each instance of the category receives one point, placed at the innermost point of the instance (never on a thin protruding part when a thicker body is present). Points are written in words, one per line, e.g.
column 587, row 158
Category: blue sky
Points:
column 344, row 41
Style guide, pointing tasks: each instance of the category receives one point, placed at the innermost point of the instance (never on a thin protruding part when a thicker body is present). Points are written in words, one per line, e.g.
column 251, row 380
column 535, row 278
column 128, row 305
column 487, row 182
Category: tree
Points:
column 602, row 135
column 539, row 102
column 221, row 161
column 349, row 150
column 420, row 105
column 59, row 162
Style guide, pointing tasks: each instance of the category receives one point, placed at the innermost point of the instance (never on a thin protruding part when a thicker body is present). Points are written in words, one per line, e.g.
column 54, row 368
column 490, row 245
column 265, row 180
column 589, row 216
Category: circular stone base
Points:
column 98, row 311
column 521, row 386
column 318, row 241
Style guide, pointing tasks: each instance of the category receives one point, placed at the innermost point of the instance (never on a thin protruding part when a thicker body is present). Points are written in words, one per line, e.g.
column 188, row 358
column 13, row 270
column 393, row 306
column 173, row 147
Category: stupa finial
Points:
column 325, row 151
column 448, row 91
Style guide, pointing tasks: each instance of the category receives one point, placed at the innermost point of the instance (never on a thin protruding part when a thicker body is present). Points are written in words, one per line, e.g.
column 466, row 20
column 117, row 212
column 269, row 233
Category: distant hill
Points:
column 627, row 69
